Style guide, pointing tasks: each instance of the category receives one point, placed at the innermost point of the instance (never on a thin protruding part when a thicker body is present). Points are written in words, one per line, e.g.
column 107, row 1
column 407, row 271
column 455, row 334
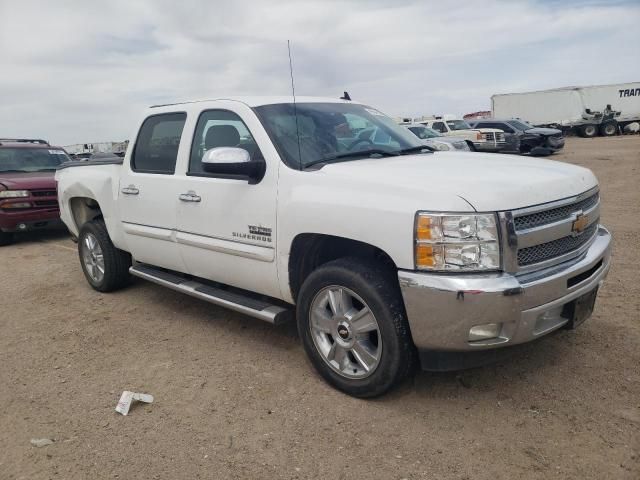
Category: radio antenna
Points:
column 295, row 109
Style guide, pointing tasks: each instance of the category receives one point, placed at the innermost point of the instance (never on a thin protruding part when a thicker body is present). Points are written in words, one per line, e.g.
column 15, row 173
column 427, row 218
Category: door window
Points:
column 500, row 126
column 440, row 127
column 157, row 145
column 220, row 128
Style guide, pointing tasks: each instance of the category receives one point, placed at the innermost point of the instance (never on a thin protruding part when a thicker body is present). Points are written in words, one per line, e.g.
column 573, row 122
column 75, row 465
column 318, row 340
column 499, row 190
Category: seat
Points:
column 221, row 136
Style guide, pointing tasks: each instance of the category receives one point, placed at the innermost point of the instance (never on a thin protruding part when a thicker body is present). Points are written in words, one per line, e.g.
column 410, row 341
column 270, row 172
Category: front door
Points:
column 148, row 192
column 226, row 226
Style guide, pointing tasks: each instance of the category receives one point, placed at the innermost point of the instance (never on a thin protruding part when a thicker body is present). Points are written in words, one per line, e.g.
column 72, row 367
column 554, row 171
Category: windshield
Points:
column 519, row 125
column 30, row 159
column 329, row 130
column 458, row 125
column 425, row 132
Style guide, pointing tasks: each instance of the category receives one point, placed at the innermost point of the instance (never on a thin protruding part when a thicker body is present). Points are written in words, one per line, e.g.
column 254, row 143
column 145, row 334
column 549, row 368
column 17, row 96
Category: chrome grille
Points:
column 546, row 217
column 555, row 248
column 44, row 193
column 493, row 136
column 46, row 203
column 488, row 136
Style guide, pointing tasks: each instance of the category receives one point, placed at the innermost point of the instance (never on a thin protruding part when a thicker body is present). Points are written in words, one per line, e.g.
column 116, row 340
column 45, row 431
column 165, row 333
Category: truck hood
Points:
column 489, row 182
column 543, row 131
column 28, row 181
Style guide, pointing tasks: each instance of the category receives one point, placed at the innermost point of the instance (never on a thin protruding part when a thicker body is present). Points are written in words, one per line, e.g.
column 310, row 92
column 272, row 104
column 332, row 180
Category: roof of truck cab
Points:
column 259, row 101
column 28, row 145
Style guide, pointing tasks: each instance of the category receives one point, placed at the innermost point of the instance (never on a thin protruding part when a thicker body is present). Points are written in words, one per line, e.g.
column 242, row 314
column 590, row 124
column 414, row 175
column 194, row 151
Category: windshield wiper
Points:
column 362, row 153
column 419, row 149
column 13, row 171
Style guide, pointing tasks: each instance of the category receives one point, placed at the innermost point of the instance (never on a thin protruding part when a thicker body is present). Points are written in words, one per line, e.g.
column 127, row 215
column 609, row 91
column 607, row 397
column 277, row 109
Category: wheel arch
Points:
column 83, row 210
column 310, row 250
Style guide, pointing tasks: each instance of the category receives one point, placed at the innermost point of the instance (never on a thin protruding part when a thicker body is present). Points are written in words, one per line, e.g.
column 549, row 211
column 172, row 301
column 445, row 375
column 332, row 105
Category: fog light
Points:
column 8, row 206
column 22, row 226
column 485, row 332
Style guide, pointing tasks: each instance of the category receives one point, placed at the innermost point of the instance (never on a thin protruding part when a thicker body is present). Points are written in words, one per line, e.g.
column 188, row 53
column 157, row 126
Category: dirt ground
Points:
column 236, row 398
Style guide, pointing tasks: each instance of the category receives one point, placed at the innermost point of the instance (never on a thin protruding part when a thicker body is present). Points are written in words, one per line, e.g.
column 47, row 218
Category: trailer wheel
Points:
column 588, row 131
column 608, row 129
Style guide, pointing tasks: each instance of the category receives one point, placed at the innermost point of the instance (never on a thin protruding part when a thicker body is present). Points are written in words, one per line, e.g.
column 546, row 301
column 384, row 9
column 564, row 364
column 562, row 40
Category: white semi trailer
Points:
column 600, row 109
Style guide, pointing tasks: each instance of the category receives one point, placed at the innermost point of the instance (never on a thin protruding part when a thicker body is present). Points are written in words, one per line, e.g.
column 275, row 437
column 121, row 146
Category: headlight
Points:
column 443, row 147
column 14, row 194
column 456, row 242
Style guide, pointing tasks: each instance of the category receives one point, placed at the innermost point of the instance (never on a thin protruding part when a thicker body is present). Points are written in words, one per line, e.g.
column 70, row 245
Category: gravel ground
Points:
column 236, row 398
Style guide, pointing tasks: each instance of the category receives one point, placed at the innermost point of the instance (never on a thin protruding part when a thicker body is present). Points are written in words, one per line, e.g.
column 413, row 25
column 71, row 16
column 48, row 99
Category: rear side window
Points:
column 156, row 149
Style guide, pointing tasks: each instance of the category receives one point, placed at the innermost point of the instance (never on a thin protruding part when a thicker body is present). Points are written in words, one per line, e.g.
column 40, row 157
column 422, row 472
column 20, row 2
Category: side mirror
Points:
column 234, row 162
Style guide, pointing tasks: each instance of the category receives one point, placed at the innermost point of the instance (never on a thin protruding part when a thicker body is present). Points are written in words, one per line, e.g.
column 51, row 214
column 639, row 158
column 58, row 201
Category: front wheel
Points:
column 105, row 267
column 6, row 238
column 352, row 324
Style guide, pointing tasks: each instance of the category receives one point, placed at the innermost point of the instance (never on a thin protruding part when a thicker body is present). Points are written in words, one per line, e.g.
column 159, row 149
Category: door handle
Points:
column 130, row 190
column 190, row 196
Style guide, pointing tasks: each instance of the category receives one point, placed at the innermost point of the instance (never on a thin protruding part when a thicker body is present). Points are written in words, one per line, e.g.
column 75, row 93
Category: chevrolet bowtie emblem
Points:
column 579, row 224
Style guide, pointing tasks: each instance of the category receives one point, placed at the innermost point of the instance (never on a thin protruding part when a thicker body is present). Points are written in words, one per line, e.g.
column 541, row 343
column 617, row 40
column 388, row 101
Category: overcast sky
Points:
column 82, row 71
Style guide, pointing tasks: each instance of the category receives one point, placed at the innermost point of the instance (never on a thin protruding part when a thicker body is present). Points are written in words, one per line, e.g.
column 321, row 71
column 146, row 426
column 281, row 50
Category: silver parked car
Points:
column 436, row 140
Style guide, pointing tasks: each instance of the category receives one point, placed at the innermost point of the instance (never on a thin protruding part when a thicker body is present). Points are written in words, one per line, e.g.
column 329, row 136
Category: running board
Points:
column 232, row 300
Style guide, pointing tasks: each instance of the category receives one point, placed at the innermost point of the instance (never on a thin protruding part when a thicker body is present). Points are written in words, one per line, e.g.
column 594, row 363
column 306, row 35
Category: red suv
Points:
column 28, row 197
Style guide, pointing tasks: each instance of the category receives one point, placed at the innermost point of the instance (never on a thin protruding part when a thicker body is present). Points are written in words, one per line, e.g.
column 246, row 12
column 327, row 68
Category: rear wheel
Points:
column 6, row 238
column 105, row 267
column 608, row 129
column 352, row 324
column 588, row 131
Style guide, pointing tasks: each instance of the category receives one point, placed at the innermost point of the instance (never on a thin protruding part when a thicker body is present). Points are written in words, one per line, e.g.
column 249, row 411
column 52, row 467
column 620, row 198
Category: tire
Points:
column 6, row 238
column 472, row 147
column 588, row 131
column 384, row 344
column 105, row 267
column 609, row 129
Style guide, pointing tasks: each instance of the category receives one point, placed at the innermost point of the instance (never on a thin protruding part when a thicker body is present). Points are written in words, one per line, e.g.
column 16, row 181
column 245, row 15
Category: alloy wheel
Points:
column 345, row 332
column 93, row 258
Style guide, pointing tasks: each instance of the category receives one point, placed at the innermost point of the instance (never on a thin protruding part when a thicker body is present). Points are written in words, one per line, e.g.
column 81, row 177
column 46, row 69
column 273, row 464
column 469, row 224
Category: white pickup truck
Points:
column 479, row 139
column 388, row 253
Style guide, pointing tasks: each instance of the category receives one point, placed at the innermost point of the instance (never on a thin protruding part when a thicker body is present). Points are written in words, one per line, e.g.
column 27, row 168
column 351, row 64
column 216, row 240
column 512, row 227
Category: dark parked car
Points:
column 28, row 197
column 524, row 138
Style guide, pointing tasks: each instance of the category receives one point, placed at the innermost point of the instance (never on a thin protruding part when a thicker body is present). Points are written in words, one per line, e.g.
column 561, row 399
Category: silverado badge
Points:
column 579, row 224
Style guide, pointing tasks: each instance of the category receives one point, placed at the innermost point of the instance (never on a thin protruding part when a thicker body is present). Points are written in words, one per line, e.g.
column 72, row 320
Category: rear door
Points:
column 148, row 191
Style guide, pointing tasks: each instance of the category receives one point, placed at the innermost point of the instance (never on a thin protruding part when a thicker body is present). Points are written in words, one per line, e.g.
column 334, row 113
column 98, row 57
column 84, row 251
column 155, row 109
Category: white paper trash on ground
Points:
column 127, row 397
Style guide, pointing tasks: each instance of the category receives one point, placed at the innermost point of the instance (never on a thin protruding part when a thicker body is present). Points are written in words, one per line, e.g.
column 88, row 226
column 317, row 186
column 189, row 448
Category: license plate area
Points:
column 580, row 309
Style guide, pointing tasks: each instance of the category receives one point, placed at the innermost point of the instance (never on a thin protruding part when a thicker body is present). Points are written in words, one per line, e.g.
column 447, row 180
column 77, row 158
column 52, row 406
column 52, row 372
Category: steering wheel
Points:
column 359, row 141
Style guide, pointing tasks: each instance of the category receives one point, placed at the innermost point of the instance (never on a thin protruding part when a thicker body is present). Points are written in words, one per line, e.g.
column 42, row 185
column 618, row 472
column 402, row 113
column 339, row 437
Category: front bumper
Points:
column 490, row 146
column 24, row 220
column 442, row 308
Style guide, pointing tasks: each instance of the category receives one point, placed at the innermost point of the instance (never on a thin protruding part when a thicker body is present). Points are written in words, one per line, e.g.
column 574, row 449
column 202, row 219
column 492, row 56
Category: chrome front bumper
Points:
column 442, row 308
column 490, row 146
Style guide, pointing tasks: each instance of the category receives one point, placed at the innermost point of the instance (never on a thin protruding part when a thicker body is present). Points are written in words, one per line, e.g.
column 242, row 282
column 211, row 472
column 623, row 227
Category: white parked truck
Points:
column 590, row 111
column 387, row 252
column 478, row 139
